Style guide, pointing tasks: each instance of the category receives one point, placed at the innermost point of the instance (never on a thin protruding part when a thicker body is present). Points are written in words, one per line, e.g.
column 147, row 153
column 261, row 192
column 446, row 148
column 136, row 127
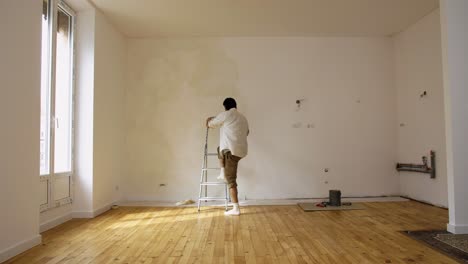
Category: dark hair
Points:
column 229, row 103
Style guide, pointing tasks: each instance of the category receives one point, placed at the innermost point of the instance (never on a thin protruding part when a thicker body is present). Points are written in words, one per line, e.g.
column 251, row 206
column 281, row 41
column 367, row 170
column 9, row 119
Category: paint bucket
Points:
column 335, row 197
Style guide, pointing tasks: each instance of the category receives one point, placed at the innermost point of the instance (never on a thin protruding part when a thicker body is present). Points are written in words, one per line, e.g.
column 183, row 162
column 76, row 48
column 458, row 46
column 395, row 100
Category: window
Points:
column 56, row 137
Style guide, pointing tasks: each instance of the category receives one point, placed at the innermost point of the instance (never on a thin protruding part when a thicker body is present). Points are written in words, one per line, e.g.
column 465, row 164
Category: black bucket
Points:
column 335, row 198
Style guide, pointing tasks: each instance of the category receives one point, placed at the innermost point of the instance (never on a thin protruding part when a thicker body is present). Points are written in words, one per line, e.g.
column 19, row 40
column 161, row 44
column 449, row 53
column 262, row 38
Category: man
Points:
column 232, row 146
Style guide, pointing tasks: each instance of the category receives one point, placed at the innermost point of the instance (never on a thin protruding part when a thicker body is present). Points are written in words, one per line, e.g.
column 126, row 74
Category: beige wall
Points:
column 350, row 104
column 418, row 64
column 100, row 114
column 109, row 85
column 454, row 18
column 84, row 112
column 20, row 75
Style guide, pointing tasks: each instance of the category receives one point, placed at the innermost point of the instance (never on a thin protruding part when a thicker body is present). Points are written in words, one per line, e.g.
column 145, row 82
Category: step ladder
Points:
column 204, row 183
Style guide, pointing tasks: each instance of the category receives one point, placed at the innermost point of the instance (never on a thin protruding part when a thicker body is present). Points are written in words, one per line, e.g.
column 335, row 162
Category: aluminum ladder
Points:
column 204, row 183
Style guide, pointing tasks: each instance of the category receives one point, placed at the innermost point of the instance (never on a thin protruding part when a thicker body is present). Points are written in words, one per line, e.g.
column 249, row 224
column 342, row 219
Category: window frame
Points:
column 54, row 6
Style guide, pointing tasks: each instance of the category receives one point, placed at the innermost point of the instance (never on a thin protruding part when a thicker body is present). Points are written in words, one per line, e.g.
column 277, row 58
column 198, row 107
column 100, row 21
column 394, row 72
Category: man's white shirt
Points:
column 234, row 129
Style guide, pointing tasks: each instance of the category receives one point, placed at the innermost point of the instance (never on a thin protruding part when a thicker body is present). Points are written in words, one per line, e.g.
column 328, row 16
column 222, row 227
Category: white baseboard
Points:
column 256, row 202
column 102, row 210
column 424, row 201
column 82, row 214
column 92, row 214
column 19, row 248
column 457, row 229
column 55, row 222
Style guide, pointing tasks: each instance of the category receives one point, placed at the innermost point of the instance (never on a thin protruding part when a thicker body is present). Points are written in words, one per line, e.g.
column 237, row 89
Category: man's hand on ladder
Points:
column 208, row 121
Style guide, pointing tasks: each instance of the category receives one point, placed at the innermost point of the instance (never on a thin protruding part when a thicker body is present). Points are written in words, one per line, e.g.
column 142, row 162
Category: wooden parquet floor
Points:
column 262, row 234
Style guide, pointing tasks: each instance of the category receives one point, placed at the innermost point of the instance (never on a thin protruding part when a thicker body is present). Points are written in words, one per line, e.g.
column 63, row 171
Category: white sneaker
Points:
column 232, row 212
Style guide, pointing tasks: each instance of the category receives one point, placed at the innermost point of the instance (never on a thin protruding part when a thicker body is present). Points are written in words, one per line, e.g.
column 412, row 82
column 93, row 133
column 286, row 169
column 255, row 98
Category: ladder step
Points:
column 213, row 198
column 205, row 169
column 212, row 183
column 212, row 154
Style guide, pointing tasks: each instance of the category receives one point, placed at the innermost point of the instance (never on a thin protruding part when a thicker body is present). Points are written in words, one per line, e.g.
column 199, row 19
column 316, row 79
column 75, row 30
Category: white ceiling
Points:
column 79, row 5
column 181, row 18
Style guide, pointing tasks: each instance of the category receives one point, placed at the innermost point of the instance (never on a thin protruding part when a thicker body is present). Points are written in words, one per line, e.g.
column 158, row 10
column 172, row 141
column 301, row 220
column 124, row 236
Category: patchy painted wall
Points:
column 346, row 122
column 418, row 64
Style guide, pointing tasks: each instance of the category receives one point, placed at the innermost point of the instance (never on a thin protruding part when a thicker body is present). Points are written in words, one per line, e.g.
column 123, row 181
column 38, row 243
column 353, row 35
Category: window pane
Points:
column 45, row 93
column 63, row 94
column 61, row 188
column 43, row 187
